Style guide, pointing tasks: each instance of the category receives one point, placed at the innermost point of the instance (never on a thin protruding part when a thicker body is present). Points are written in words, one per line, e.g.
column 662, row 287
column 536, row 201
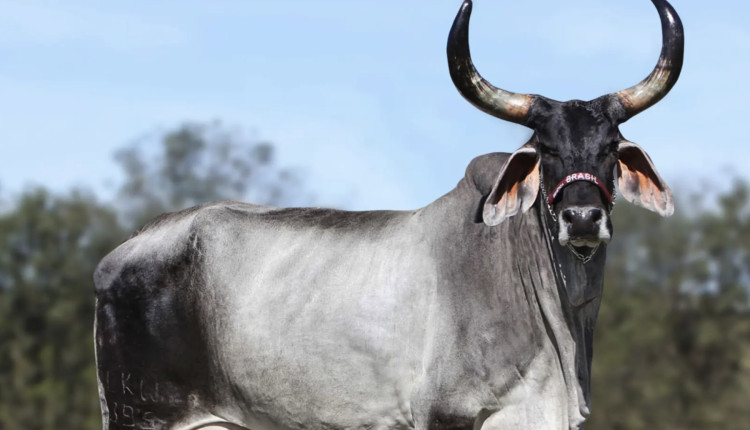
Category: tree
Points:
column 672, row 344
column 198, row 163
column 52, row 243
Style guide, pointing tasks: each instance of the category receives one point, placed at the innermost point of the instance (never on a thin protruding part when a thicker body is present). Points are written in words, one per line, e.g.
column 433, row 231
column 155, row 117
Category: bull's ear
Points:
column 640, row 183
column 516, row 187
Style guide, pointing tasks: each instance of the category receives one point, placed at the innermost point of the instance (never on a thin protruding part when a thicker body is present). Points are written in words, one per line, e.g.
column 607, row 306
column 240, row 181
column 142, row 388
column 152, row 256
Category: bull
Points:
column 474, row 312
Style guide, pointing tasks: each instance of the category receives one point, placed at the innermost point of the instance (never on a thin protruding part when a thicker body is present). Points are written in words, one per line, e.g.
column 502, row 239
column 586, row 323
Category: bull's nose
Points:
column 583, row 226
column 582, row 218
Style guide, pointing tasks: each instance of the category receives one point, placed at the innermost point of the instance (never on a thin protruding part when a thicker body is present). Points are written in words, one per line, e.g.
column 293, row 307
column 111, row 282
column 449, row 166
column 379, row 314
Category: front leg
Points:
column 515, row 417
column 539, row 415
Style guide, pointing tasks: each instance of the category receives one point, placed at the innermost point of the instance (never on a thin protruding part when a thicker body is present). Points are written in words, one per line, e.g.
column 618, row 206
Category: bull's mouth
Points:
column 584, row 251
column 592, row 241
column 586, row 243
column 584, row 248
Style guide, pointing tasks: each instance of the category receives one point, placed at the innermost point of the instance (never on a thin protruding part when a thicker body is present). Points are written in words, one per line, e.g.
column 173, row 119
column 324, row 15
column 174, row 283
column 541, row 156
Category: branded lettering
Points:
column 144, row 393
column 125, row 384
column 128, row 416
column 113, row 413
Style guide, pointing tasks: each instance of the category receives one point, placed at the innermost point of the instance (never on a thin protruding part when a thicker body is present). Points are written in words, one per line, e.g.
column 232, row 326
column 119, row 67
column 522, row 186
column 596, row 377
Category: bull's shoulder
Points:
column 483, row 171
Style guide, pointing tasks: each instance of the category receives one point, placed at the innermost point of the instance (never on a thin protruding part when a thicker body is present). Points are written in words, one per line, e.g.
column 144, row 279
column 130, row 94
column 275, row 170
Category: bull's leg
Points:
column 517, row 417
column 219, row 426
column 222, row 427
column 548, row 413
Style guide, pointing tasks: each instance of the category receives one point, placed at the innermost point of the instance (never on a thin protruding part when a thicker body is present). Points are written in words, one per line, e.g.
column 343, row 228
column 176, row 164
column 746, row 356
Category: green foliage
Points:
column 52, row 243
column 198, row 163
column 673, row 338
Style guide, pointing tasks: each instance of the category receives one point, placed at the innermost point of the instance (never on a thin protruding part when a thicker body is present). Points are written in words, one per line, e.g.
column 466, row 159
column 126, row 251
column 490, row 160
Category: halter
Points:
column 576, row 177
column 550, row 199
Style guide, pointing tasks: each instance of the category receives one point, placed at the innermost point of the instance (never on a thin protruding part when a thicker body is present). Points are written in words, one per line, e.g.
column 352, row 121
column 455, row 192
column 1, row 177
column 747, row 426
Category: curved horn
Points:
column 656, row 85
column 494, row 101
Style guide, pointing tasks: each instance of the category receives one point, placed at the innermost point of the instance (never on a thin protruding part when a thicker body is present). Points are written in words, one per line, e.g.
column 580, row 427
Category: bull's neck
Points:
column 581, row 282
column 567, row 290
column 579, row 286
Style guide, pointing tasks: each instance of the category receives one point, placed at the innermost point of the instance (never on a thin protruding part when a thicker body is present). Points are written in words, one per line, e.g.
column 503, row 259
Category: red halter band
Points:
column 575, row 177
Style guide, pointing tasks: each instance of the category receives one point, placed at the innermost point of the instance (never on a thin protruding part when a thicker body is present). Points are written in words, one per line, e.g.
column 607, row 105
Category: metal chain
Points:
column 545, row 196
column 584, row 258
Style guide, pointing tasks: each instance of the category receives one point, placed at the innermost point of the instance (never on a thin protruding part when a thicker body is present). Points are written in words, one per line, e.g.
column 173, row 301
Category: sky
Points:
column 356, row 94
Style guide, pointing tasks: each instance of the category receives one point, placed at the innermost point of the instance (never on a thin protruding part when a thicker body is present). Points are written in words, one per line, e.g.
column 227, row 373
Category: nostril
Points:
column 568, row 216
column 595, row 215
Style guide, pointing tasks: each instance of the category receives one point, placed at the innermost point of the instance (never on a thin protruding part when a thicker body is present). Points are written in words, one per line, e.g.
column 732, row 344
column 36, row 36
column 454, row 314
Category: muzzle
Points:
column 581, row 226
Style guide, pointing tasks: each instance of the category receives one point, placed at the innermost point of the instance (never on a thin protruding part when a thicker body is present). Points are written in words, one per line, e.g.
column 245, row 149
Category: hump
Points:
column 176, row 216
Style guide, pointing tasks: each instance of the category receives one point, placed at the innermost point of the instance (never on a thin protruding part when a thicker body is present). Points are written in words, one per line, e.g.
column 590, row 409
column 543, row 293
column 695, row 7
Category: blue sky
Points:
column 356, row 93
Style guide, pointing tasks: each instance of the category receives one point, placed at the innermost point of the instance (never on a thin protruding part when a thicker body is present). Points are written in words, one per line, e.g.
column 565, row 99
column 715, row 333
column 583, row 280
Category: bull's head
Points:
column 570, row 161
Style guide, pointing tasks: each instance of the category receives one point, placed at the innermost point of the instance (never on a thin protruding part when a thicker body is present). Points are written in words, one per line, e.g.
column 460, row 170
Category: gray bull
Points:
column 474, row 312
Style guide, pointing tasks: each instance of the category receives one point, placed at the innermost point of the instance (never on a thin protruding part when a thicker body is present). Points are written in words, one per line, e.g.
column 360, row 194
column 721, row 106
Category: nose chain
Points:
column 584, row 258
column 545, row 196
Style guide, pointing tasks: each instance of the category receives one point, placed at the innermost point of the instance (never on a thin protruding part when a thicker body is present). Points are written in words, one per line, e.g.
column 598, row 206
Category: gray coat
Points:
column 315, row 318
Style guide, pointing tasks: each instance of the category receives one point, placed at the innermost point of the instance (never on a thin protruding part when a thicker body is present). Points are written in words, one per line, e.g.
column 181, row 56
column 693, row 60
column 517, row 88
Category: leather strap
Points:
column 576, row 177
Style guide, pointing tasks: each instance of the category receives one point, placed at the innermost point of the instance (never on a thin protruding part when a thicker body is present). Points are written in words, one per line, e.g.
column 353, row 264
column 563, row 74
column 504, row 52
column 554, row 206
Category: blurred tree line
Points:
column 672, row 344
column 52, row 242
